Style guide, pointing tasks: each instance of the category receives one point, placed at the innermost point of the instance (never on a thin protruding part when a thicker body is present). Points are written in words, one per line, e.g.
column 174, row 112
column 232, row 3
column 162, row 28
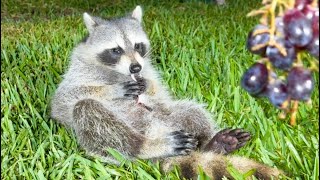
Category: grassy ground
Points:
column 198, row 47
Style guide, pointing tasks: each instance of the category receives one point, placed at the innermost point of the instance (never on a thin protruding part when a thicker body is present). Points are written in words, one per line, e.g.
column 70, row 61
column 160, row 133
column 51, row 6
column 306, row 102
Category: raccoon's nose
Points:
column 135, row 68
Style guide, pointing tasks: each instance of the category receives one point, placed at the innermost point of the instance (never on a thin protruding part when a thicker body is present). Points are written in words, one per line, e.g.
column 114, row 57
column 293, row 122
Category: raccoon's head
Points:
column 119, row 44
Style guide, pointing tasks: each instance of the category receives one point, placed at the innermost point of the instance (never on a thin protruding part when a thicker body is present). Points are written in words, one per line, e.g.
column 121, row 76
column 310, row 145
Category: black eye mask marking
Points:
column 111, row 56
column 140, row 48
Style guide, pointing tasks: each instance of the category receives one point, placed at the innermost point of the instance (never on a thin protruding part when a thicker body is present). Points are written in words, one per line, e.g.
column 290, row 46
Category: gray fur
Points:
column 90, row 99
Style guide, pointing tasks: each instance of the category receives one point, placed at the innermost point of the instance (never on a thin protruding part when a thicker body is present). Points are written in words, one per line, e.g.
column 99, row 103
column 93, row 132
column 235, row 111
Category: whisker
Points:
column 148, row 53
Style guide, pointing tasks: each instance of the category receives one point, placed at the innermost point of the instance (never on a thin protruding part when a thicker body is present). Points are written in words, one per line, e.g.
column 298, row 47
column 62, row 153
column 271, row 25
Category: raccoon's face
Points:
column 120, row 44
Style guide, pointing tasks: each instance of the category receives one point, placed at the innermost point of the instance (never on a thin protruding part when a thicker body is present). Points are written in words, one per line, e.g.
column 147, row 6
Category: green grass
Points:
column 199, row 49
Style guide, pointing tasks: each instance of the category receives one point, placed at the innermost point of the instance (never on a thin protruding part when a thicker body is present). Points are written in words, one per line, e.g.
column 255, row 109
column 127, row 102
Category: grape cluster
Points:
column 279, row 40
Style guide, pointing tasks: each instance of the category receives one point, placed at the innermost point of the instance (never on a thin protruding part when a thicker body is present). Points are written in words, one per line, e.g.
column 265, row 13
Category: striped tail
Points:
column 215, row 166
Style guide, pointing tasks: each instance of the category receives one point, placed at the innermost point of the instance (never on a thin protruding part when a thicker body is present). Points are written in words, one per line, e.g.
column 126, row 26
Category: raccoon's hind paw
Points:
column 183, row 143
column 227, row 141
column 134, row 88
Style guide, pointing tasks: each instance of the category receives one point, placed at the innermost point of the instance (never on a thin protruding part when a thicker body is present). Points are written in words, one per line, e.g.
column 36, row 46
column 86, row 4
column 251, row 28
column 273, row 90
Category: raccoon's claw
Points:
column 135, row 87
column 227, row 141
column 131, row 96
column 183, row 143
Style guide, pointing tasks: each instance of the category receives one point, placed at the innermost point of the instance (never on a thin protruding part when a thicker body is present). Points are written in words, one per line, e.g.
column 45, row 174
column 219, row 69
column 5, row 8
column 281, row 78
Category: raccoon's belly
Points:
column 140, row 117
column 131, row 110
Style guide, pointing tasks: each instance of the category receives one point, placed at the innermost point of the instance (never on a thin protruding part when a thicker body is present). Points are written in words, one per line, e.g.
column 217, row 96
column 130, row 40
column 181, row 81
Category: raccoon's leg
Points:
column 194, row 119
column 97, row 129
column 215, row 166
column 175, row 143
column 228, row 140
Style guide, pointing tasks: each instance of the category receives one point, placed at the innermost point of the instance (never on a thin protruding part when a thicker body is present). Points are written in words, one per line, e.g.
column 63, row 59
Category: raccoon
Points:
column 112, row 97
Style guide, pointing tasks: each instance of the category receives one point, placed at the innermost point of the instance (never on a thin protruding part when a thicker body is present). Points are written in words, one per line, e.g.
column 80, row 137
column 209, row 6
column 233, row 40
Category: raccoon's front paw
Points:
column 227, row 141
column 182, row 143
column 135, row 88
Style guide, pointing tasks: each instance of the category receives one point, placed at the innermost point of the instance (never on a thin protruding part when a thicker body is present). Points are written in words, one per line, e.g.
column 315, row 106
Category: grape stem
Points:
column 269, row 67
column 270, row 10
column 256, row 12
column 299, row 61
column 314, row 3
column 314, row 66
column 294, row 111
column 272, row 19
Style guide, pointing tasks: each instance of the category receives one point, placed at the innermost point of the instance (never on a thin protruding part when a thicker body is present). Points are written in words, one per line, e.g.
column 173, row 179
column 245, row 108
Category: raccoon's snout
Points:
column 135, row 68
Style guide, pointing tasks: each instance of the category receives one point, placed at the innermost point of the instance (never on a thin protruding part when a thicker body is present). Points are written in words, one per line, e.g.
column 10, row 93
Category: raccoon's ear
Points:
column 137, row 13
column 89, row 21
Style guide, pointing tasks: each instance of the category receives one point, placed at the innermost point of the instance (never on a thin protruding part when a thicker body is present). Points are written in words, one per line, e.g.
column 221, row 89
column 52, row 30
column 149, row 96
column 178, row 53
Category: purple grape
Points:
column 310, row 12
column 313, row 46
column 277, row 59
column 300, row 4
column 255, row 79
column 300, row 84
column 315, row 21
column 277, row 93
column 258, row 39
column 298, row 28
column 279, row 25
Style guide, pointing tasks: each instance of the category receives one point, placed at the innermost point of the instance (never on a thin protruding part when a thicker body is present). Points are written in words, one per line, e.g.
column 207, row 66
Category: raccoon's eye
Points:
column 140, row 48
column 117, row 50
column 111, row 56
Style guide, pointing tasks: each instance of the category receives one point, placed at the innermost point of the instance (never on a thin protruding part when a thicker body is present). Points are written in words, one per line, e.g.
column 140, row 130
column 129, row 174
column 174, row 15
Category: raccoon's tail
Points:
column 215, row 166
